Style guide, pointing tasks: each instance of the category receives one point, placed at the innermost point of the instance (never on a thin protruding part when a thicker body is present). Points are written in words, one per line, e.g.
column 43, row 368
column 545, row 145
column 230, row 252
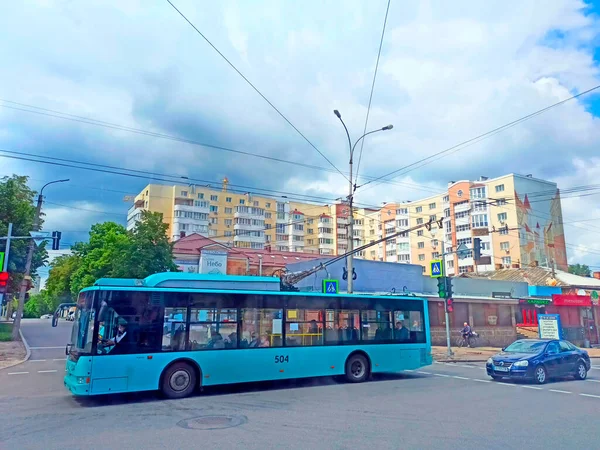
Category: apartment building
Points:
column 517, row 218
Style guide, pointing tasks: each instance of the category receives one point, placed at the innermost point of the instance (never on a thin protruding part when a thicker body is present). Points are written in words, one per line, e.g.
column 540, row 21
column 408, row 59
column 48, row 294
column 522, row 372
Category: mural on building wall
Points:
column 541, row 233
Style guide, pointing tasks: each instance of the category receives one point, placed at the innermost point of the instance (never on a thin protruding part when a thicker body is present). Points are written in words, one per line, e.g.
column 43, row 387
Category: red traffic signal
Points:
column 3, row 282
column 449, row 305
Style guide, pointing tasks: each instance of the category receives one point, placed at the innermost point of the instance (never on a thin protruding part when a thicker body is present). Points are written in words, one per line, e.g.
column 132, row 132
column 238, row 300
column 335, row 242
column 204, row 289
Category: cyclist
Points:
column 466, row 333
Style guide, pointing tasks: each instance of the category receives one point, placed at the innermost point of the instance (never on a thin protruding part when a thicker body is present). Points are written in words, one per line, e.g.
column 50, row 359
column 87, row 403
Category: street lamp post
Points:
column 351, row 188
column 27, row 276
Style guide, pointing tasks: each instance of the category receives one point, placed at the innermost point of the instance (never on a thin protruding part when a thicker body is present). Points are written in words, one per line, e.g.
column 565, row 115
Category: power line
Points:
column 362, row 144
column 254, row 87
column 429, row 159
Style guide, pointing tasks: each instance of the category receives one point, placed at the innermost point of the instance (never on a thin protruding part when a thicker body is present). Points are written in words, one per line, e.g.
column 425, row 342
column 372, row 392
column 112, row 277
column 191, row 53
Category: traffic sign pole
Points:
column 447, row 316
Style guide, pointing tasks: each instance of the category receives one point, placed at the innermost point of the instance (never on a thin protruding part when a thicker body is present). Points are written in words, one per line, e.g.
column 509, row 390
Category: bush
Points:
column 5, row 332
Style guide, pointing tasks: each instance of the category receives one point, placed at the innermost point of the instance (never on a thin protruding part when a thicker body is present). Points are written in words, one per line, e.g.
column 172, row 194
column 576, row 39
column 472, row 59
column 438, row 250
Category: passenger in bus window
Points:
column 122, row 341
column 401, row 332
column 253, row 342
column 264, row 341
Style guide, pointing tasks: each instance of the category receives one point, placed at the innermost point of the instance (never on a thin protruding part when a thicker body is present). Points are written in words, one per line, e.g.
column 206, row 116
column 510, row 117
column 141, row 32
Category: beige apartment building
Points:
column 517, row 218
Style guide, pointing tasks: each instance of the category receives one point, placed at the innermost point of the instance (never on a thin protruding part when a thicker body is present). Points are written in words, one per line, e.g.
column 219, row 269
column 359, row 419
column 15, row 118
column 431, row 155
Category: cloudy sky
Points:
column 449, row 71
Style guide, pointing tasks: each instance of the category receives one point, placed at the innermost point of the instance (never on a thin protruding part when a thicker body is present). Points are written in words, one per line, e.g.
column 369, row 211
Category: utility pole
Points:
column 351, row 189
column 27, row 275
column 4, row 267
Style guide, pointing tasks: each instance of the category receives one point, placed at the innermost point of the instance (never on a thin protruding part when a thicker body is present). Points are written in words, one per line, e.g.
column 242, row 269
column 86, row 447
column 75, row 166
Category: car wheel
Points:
column 581, row 371
column 179, row 380
column 357, row 368
column 540, row 375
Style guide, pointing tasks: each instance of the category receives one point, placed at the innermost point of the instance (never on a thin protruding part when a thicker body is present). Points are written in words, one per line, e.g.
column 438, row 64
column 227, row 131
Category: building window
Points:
column 268, row 215
column 420, row 221
column 506, row 261
column 447, row 212
column 480, row 221
column 200, row 195
column 228, row 199
column 466, row 227
column 432, row 206
column 419, row 209
column 214, row 208
column 485, row 246
column 434, row 242
column 228, row 233
column 466, row 241
column 404, row 258
column 432, row 218
column 267, row 205
column 424, row 269
column 419, row 232
column 184, row 193
column 421, row 245
column 500, row 188
column 228, row 210
column 503, row 231
column 464, row 269
column 403, row 247
column 255, row 203
column 446, row 198
column 242, row 201
column 479, row 206
column 450, row 264
column 502, row 217
column 214, row 198
column 501, row 201
column 212, row 232
column 505, row 245
column 461, row 214
column 401, row 211
column 214, row 220
column 478, row 193
column 422, row 257
column 228, row 222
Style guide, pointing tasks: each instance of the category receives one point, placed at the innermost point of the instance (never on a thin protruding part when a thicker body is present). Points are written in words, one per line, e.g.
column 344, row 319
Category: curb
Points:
column 27, row 355
column 460, row 360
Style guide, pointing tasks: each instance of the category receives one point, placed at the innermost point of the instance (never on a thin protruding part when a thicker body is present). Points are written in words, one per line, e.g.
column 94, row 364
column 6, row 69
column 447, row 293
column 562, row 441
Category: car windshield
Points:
column 525, row 347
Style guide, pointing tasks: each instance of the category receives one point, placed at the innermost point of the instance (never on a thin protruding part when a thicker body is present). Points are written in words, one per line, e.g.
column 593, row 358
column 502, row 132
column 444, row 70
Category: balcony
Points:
column 245, row 238
column 192, row 208
column 249, row 212
column 243, row 226
column 296, row 232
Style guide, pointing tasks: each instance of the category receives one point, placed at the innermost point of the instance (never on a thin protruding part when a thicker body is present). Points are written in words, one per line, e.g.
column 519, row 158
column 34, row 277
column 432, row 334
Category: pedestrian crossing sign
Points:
column 330, row 286
column 436, row 269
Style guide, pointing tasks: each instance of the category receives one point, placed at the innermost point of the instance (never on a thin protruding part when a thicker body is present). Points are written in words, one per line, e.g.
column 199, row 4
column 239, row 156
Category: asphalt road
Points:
column 443, row 406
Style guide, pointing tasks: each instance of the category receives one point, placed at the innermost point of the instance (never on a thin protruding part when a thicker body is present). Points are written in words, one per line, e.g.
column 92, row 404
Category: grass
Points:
column 5, row 332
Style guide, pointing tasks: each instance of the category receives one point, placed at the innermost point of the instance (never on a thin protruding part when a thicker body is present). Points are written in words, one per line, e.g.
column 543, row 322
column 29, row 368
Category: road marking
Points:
column 532, row 387
column 37, row 360
column 559, row 391
column 481, row 381
column 595, row 367
column 465, row 365
column 16, row 373
column 590, row 395
column 593, row 381
column 59, row 359
column 461, row 378
column 42, row 348
column 441, row 375
column 46, row 371
column 507, row 384
column 425, row 373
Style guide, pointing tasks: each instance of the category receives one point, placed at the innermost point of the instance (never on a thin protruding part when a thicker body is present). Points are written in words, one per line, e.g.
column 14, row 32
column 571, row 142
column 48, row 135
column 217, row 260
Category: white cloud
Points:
column 449, row 71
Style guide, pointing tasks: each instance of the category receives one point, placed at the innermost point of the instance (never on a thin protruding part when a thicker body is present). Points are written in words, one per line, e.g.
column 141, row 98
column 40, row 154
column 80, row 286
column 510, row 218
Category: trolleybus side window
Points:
column 212, row 328
column 341, row 326
column 303, row 327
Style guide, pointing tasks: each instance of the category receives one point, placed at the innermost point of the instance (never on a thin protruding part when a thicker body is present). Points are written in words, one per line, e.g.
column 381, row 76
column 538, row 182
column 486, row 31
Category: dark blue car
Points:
column 539, row 360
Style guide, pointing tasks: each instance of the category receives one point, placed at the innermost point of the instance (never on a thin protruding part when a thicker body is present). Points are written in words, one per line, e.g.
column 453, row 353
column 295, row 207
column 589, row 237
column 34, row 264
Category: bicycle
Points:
column 471, row 341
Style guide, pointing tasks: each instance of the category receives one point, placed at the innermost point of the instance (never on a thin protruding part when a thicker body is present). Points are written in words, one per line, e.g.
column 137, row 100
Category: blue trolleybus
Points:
column 176, row 332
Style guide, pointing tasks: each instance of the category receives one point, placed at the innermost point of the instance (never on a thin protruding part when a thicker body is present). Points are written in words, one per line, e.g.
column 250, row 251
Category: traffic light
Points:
column 476, row 249
column 56, row 235
column 448, row 287
column 441, row 282
column 449, row 305
column 3, row 282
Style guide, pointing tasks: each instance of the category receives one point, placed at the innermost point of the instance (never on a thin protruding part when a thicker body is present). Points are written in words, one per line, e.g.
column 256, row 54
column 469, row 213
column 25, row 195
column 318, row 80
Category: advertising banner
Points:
column 213, row 262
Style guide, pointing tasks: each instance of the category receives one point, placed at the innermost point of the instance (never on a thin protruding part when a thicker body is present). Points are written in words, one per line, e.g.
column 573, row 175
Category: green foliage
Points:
column 580, row 269
column 5, row 332
column 112, row 252
column 39, row 304
column 17, row 207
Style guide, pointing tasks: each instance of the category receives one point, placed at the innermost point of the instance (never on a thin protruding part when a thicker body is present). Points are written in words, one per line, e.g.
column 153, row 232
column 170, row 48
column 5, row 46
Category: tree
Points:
column 17, row 207
column 112, row 252
column 580, row 269
column 149, row 250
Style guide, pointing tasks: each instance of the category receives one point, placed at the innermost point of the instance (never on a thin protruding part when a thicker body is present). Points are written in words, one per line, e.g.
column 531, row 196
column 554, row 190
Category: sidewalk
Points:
column 480, row 354
column 12, row 352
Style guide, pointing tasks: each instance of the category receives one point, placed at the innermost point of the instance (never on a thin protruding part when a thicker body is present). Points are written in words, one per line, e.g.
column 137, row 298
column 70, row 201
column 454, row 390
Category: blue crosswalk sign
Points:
column 330, row 286
column 436, row 269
